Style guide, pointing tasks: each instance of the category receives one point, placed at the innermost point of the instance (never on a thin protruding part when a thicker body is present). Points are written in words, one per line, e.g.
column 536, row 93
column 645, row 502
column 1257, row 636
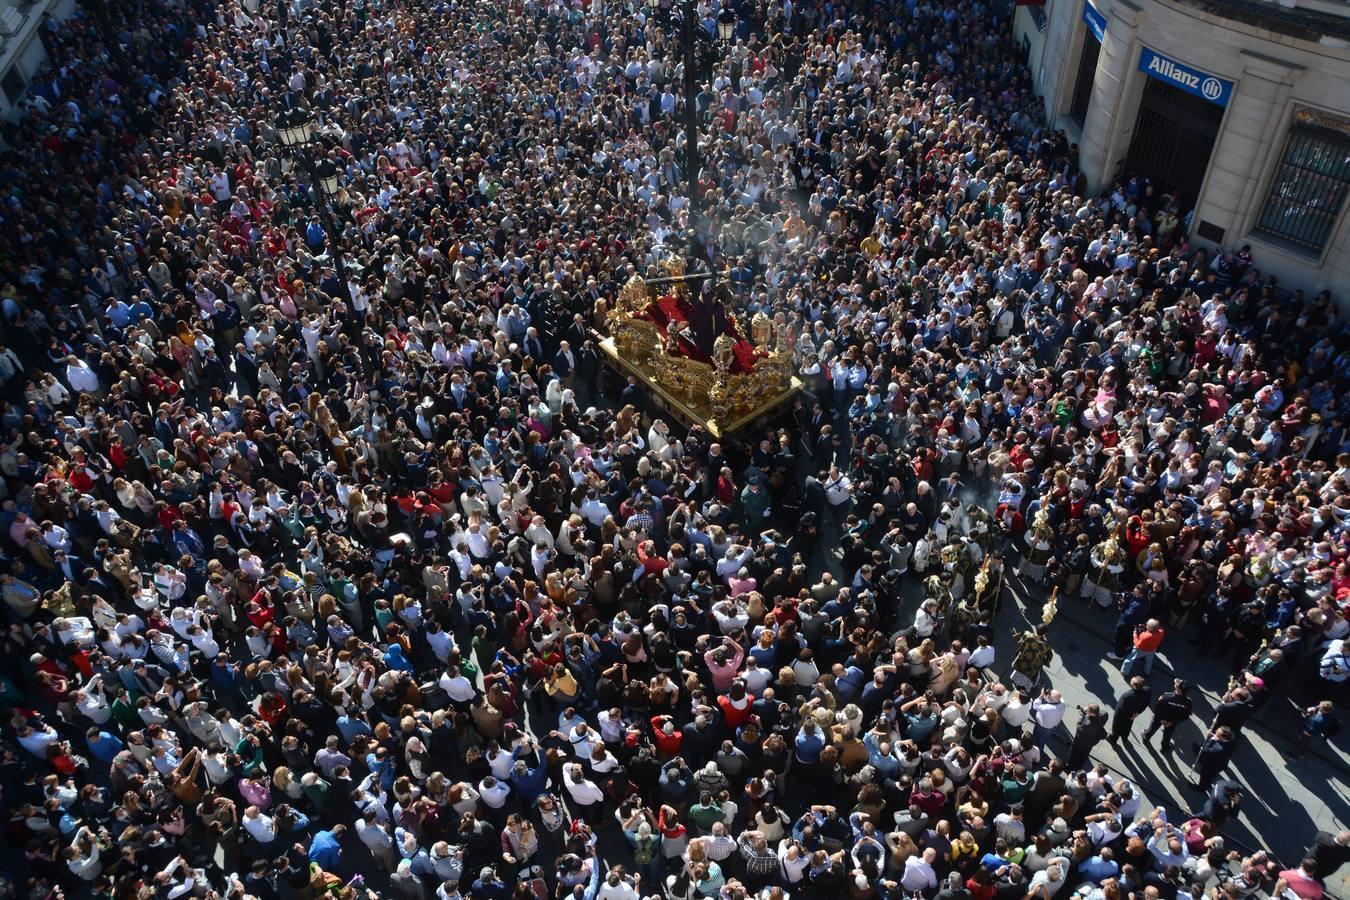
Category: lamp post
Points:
column 295, row 128
column 726, row 25
column 691, row 157
column 726, row 28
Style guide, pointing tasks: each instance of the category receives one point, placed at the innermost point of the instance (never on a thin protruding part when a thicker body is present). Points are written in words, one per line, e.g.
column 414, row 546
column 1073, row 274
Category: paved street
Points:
column 1286, row 801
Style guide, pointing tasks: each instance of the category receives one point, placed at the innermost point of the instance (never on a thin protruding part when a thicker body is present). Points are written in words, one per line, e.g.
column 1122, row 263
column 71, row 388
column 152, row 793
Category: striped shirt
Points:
column 759, row 863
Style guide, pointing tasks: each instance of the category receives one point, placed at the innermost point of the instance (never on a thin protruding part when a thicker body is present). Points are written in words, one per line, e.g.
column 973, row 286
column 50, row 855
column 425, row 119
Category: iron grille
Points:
column 1308, row 189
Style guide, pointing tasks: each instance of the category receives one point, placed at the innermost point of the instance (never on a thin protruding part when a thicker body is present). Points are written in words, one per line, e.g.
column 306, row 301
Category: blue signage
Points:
column 1192, row 81
column 1096, row 22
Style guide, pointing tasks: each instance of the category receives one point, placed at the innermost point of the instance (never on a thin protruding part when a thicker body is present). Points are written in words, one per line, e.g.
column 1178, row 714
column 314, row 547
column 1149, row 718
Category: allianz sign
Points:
column 1201, row 84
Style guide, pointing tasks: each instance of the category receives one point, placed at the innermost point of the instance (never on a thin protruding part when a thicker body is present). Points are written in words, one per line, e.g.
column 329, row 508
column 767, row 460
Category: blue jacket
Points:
column 325, row 850
column 532, row 784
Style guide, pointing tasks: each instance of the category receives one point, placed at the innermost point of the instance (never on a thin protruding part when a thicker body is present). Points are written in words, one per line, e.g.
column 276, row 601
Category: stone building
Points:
column 1238, row 108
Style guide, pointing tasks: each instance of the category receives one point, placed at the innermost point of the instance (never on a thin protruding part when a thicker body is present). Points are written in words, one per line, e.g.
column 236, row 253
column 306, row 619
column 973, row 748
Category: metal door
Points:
column 1173, row 139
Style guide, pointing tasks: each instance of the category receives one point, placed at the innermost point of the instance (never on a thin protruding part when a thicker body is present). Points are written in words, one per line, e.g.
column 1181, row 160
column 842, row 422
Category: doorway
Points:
column 1087, row 73
column 1173, row 139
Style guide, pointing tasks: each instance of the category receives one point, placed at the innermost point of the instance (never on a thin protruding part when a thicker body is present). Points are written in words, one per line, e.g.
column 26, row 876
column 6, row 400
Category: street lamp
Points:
column 295, row 129
column 329, row 177
column 690, row 31
column 726, row 25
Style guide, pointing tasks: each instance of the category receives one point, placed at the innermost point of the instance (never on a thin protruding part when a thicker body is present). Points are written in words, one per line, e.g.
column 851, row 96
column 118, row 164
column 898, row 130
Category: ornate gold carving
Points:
column 653, row 353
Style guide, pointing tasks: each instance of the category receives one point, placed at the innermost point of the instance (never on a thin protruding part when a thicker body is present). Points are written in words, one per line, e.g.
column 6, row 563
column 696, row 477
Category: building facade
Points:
column 21, row 50
column 1238, row 108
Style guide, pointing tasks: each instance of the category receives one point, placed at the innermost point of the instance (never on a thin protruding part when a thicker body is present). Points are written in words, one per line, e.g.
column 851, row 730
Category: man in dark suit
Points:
column 95, row 583
column 813, row 494
column 565, row 362
column 1091, row 729
column 71, row 568
column 588, row 370
column 245, row 369
column 633, row 394
column 1131, row 703
column 533, row 346
column 576, row 333
column 814, row 421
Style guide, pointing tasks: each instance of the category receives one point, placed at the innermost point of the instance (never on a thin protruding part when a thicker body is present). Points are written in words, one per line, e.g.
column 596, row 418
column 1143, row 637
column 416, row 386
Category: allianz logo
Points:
column 1210, row 88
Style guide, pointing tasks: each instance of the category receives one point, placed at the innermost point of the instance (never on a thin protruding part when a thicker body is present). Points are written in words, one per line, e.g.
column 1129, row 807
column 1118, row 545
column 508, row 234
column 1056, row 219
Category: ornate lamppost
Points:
column 295, row 128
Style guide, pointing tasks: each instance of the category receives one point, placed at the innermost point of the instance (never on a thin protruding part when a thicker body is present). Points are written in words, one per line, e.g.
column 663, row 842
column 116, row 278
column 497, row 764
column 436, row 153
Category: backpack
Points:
column 644, row 850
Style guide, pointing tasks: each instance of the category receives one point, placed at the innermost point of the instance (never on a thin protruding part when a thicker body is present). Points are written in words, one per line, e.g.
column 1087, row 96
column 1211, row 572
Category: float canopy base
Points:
column 696, row 409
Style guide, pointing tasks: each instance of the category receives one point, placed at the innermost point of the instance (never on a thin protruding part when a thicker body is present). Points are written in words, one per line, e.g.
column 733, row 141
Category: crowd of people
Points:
column 331, row 565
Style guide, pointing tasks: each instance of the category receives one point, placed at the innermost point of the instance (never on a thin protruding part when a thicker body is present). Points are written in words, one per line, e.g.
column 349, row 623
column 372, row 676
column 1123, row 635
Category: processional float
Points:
column 745, row 377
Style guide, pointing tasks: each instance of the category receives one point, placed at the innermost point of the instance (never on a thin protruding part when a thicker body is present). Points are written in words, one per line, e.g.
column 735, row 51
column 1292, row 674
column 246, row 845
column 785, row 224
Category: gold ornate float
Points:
column 710, row 394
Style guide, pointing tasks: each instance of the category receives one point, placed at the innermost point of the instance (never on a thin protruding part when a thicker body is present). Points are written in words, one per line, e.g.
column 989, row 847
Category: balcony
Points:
column 1316, row 21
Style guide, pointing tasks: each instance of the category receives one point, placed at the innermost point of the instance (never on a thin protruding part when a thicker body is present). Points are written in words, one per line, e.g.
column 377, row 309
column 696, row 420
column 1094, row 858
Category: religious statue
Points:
column 677, row 334
column 958, row 561
column 761, row 330
column 693, row 320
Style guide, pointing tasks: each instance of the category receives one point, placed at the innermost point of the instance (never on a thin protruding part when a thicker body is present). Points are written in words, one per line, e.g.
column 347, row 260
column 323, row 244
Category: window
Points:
column 13, row 84
column 1309, row 186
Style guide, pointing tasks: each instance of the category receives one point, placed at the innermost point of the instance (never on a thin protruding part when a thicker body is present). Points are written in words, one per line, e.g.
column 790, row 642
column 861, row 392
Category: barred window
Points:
column 1308, row 189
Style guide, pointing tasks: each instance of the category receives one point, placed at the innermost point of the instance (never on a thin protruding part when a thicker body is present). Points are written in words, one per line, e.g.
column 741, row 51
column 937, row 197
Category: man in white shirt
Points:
column 441, row 643
column 611, row 725
column 1168, row 846
column 919, row 875
column 839, row 493
column 75, row 629
column 617, row 887
column 216, row 766
column 1016, row 711
column 755, row 678
column 982, row 657
column 926, row 619
column 458, row 688
column 586, row 795
column 737, row 557
column 92, row 704
column 36, row 741
column 80, row 377
column 1048, row 710
column 259, row 826
column 493, row 793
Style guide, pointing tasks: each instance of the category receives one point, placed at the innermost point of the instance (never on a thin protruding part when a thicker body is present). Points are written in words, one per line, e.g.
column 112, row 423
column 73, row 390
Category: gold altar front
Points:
column 710, row 395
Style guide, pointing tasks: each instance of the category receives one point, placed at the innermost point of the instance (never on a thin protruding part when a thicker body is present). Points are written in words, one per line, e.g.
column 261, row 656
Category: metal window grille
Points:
column 1308, row 189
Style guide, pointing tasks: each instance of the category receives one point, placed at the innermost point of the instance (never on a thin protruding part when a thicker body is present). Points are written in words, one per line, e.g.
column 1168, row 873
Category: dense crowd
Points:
column 317, row 587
